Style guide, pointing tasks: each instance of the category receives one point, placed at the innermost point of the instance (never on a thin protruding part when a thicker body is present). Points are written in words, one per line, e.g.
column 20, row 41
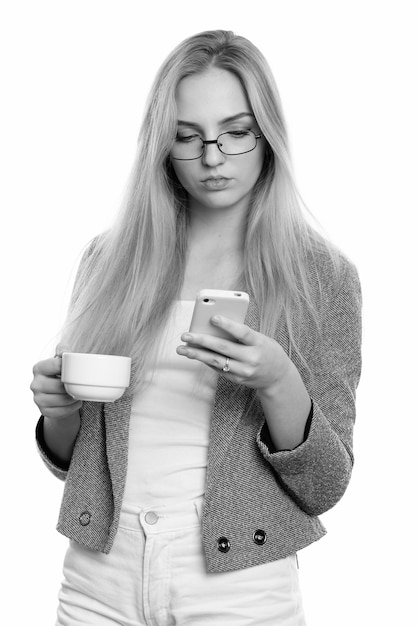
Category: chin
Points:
column 219, row 203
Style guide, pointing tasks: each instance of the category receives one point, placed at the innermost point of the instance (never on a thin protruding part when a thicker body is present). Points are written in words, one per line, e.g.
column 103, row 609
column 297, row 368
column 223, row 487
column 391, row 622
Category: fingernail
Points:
column 186, row 337
column 216, row 319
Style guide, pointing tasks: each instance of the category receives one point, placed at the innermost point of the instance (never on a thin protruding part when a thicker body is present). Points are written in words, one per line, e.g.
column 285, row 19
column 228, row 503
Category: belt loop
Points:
column 199, row 506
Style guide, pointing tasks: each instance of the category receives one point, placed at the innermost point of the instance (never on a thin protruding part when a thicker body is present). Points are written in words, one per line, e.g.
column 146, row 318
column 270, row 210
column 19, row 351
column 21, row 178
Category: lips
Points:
column 215, row 183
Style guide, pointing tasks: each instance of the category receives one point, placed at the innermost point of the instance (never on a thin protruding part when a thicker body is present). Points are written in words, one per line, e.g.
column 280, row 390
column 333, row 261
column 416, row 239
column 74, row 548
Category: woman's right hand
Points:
column 49, row 392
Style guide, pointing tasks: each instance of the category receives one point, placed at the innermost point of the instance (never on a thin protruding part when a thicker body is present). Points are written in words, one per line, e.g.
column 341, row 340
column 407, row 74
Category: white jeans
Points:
column 155, row 576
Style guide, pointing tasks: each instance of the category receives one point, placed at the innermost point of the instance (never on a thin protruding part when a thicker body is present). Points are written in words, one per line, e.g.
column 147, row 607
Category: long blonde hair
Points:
column 134, row 272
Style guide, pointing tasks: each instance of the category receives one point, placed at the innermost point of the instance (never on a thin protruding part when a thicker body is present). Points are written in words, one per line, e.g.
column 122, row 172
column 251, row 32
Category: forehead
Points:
column 210, row 96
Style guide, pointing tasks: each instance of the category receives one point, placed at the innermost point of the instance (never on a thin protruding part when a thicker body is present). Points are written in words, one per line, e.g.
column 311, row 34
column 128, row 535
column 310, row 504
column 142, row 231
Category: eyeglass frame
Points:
column 206, row 142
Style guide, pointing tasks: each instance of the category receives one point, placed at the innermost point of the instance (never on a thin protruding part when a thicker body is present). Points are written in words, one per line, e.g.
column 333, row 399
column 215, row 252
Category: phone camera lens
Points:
column 205, row 299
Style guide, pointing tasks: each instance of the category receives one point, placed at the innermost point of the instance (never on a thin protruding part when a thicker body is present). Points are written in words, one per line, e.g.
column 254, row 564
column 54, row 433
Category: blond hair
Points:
column 134, row 272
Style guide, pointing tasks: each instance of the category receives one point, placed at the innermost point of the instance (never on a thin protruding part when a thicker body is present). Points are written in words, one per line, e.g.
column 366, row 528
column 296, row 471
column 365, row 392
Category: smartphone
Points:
column 210, row 302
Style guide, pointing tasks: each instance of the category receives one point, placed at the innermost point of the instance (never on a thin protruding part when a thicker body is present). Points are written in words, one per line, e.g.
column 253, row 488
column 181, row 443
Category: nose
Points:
column 212, row 156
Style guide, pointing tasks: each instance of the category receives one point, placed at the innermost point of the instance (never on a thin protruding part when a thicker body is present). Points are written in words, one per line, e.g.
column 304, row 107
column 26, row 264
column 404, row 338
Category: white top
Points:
column 170, row 422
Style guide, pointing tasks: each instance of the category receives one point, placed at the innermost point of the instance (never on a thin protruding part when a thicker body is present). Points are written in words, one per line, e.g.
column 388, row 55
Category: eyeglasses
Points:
column 230, row 143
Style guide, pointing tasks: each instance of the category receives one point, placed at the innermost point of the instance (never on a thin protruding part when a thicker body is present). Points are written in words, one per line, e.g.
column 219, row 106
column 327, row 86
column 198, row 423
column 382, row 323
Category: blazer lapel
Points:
column 117, row 416
column 229, row 406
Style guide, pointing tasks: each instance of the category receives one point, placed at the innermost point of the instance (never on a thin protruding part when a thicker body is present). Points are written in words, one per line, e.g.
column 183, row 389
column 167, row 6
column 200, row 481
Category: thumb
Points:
column 61, row 347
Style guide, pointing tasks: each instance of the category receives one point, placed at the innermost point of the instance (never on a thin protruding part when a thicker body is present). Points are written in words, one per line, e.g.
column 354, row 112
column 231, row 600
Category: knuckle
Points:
column 254, row 360
column 223, row 348
column 41, row 399
column 37, row 403
column 246, row 335
column 35, row 369
column 247, row 371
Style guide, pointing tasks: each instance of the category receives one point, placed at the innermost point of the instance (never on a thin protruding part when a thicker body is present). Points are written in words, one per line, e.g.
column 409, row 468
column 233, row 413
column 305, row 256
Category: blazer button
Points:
column 224, row 544
column 260, row 537
column 85, row 518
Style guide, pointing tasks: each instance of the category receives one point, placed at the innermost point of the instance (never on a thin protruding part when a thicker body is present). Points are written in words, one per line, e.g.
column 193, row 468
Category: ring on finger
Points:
column 226, row 367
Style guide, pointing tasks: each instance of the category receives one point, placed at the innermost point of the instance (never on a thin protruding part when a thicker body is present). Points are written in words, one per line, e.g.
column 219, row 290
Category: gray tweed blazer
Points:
column 250, row 487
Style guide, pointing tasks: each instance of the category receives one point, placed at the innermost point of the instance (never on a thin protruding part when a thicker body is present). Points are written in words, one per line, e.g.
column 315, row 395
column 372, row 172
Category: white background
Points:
column 75, row 75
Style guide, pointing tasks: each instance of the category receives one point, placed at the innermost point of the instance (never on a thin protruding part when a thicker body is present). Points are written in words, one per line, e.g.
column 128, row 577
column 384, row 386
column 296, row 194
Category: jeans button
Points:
column 151, row 517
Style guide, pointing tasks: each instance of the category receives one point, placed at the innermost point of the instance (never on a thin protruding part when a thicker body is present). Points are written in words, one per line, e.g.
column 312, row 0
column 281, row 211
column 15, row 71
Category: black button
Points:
column 260, row 537
column 85, row 518
column 224, row 544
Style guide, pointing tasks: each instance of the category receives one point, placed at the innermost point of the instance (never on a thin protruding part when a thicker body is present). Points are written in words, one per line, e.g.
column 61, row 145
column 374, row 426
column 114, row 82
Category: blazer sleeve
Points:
column 51, row 461
column 317, row 472
column 58, row 469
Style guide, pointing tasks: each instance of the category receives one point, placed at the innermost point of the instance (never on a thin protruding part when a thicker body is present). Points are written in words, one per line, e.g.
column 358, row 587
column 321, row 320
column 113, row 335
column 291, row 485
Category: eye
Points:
column 239, row 133
column 187, row 138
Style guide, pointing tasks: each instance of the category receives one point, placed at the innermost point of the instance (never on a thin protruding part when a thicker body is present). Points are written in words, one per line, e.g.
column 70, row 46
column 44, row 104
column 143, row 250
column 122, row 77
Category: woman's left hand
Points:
column 256, row 361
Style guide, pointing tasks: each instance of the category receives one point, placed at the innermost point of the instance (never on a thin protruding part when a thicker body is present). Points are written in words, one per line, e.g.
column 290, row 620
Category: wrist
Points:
column 65, row 422
column 286, row 406
column 57, row 437
column 286, row 380
column 64, row 427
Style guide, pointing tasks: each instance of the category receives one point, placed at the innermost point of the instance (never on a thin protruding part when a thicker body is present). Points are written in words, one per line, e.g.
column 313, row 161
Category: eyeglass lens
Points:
column 234, row 142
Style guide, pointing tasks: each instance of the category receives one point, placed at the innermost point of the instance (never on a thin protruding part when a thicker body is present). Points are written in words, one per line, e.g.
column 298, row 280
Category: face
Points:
column 209, row 104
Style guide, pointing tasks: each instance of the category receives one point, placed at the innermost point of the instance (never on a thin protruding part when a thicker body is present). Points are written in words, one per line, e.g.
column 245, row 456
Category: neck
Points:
column 217, row 231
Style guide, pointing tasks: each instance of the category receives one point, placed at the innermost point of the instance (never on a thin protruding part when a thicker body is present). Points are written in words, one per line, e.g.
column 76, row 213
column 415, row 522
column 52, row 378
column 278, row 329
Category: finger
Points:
column 48, row 367
column 212, row 344
column 61, row 347
column 238, row 372
column 49, row 385
column 240, row 332
column 212, row 359
column 55, row 400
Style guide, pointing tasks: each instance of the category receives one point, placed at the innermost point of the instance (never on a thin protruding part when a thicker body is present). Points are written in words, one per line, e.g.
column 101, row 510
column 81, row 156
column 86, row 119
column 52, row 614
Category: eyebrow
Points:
column 232, row 118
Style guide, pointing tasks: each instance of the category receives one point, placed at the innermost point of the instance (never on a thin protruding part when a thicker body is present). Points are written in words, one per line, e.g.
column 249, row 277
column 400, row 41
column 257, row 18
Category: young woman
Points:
column 187, row 500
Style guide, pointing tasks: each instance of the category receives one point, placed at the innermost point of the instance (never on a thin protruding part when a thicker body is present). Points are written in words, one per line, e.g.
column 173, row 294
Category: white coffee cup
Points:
column 95, row 377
